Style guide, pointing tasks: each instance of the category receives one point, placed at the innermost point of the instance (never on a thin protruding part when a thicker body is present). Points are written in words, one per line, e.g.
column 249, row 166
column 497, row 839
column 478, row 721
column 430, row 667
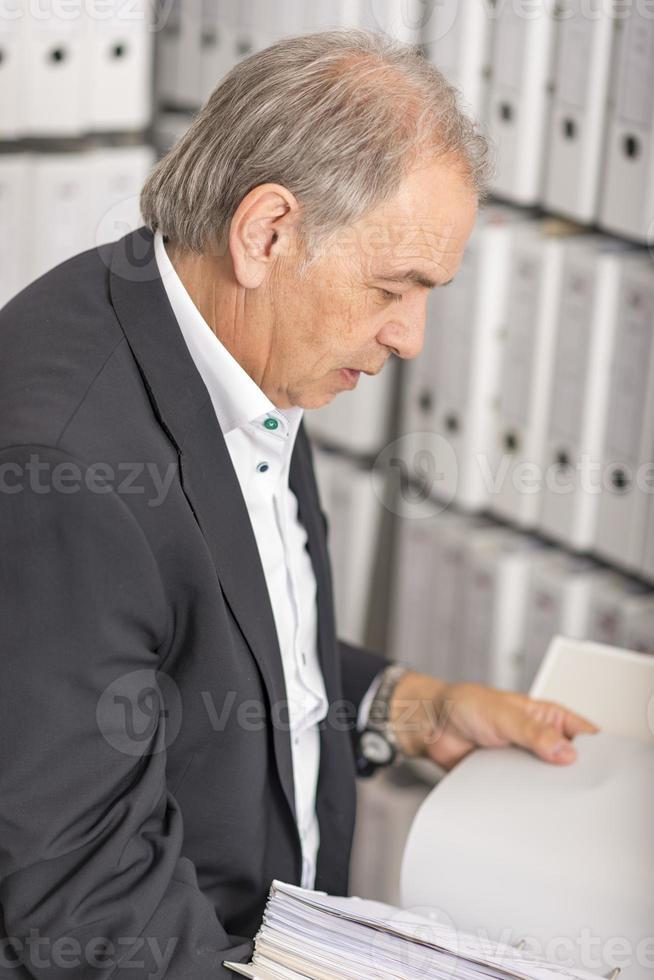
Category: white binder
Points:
column 648, row 560
column 188, row 83
column 168, row 52
column 496, row 579
column 14, row 236
column 639, row 626
column 386, row 807
column 518, row 105
column 354, row 513
column 613, row 602
column 579, row 402
column 358, row 421
column 402, row 21
column 578, row 118
column 611, row 685
column 117, row 176
column 118, row 81
column 54, row 78
column 456, row 39
column 487, row 851
column 329, row 14
column 558, row 603
column 627, row 199
column 217, row 46
column 427, row 590
column 13, row 42
column 247, row 39
column 528, row 339
column 466, row 319
column 169, row 128
column 60, row 201
column 629, row 438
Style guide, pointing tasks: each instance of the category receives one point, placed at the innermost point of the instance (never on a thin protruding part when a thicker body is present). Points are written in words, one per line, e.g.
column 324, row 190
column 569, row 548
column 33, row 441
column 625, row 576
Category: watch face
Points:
column 375, row 748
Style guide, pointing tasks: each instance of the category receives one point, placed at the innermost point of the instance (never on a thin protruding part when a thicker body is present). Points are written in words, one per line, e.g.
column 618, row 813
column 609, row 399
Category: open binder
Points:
column 514, row 869
column 561, row 857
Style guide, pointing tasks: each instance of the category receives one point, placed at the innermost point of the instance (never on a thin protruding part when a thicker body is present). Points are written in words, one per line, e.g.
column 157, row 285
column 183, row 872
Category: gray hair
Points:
column 338, row 118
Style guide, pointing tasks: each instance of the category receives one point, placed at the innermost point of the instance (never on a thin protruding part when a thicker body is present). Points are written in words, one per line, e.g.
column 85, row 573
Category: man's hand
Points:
column 444, row 722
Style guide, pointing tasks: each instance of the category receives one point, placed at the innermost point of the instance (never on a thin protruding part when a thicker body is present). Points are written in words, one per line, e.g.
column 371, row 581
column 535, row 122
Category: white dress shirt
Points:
column 260, row 440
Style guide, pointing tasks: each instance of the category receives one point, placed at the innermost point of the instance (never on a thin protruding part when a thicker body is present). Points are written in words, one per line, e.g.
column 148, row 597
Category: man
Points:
column 179, row 723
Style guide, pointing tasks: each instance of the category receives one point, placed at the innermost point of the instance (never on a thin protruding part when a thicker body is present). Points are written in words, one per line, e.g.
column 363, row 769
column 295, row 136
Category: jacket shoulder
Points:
column 56, row 335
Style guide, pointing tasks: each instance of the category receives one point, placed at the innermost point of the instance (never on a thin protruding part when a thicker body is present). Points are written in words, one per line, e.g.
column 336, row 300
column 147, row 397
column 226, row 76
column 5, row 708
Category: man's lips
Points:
column 351, row 376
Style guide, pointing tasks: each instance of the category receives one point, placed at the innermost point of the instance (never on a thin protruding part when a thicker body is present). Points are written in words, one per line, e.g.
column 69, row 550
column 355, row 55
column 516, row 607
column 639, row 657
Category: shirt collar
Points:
column 237, row 399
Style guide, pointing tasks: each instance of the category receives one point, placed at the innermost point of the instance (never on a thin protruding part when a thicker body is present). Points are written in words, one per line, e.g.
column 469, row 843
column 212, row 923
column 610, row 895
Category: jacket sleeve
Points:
column 359, row 668
column 92, row 877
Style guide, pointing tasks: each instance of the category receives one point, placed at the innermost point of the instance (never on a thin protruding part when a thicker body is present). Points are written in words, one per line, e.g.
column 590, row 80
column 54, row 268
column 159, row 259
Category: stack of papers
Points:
column 309, row 935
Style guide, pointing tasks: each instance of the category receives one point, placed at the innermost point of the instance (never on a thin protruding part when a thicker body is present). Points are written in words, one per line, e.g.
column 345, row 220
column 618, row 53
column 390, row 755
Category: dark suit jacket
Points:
column 146, row 785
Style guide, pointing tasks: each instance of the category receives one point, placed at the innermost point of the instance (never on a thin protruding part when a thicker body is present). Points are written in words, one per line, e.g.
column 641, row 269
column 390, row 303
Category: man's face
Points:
column 365, row 297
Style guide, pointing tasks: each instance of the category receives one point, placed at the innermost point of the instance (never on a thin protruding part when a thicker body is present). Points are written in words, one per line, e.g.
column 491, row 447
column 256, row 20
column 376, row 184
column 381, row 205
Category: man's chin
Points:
column 318, row 400
column 333, row 385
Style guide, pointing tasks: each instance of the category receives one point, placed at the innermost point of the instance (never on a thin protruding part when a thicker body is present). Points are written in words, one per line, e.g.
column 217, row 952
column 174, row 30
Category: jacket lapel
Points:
column 209, row 481
column 303, row 485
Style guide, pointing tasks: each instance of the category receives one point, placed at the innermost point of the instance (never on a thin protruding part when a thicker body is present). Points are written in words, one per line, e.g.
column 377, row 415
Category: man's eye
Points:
column 391, row 297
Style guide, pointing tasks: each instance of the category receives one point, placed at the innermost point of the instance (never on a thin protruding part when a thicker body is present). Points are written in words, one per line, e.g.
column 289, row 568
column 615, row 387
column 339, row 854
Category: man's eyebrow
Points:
column 416, row 278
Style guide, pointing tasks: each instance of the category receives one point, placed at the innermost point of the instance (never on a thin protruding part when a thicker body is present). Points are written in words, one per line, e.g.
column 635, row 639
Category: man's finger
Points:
column 578, row 725
column 543, row 739
column 548, row 712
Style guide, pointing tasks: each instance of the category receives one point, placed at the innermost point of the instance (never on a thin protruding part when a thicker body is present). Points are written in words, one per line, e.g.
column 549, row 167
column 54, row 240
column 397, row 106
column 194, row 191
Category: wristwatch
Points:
column 377, row 744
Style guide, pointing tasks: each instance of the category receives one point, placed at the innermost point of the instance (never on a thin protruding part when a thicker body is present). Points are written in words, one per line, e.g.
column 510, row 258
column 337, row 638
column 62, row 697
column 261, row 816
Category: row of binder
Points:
column 67, row 70
column 571, row 109
column 201, row 40
column 353, row 502
column 53, row 205
column 533, row 397
column 473, row 601
column 566, row 93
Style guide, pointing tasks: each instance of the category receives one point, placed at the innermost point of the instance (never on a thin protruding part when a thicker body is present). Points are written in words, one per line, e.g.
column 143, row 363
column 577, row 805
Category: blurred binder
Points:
column 14, row 240
column 628, row 189
column 496, row 579
column 61, row 202
column 354, row 514
column 358, row 421
column 537, row 257
column 629, row 438
column 578, row 118
column 519, row 101
column 558, row 603
column 449, row 398
column 456, row 39
column 427, row 596
column 13, row 52
column 54, row 79
column 118, row 69
column 648, row 561
column 117, row 176
column 614, row 602
column 588, row 315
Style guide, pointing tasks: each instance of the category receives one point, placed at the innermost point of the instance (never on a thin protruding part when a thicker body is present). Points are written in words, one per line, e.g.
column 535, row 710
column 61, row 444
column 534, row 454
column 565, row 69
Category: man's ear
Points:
column 263, row 230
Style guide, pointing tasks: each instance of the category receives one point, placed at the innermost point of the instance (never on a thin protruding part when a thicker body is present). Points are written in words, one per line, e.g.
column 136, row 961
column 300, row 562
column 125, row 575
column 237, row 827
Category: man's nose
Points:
column 405, row 333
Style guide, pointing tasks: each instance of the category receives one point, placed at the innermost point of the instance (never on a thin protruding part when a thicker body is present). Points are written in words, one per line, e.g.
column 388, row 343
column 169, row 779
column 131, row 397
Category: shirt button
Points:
column 263, row 467
column 304, row 658
column 271, row 424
